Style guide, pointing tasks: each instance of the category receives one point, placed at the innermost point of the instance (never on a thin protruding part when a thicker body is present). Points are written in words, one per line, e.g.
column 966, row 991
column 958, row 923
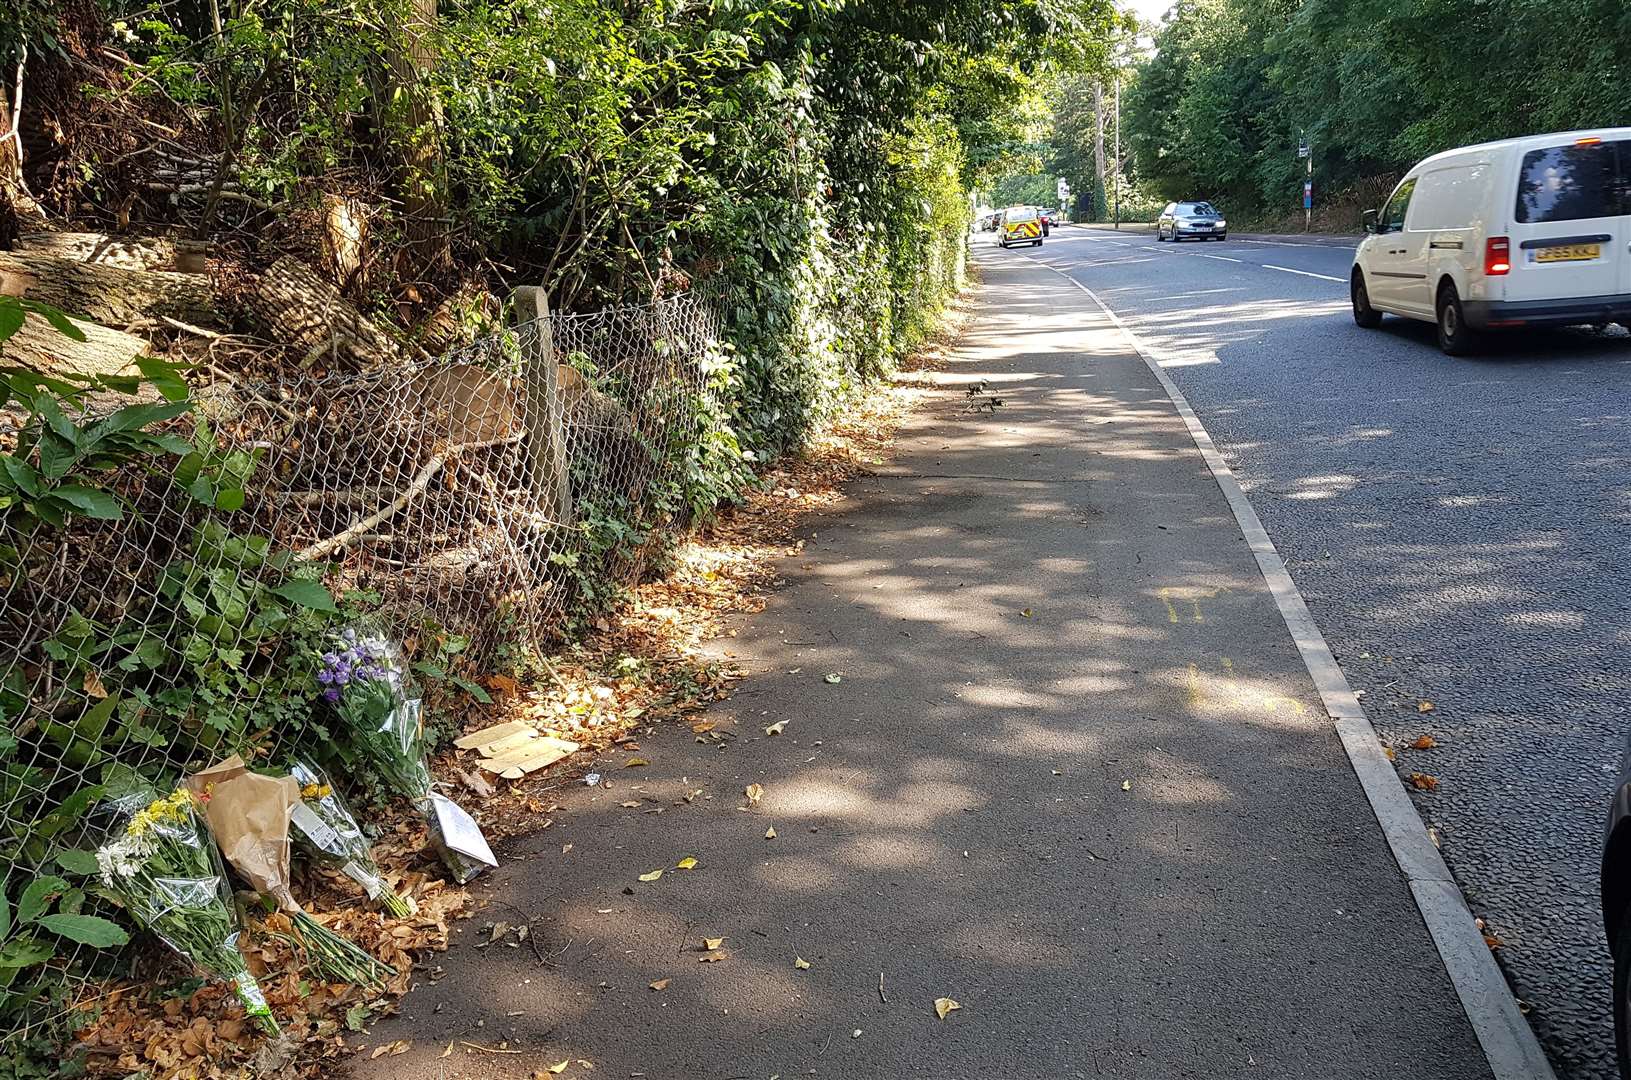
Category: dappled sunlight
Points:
column 891, row 851
column 1320, row 487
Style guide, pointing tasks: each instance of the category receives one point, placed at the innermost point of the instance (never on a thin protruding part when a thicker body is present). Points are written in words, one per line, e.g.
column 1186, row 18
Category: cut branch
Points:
column 353, row 533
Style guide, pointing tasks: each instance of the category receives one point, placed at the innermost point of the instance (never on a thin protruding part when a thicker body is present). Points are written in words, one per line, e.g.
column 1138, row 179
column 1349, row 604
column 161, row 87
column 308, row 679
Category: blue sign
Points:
column 1308, row 194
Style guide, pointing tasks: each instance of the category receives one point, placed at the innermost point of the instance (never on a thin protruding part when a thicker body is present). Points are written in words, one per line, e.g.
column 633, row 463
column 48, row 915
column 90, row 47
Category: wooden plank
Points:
column 489, row 734
column 517, row 763
column 499, row 747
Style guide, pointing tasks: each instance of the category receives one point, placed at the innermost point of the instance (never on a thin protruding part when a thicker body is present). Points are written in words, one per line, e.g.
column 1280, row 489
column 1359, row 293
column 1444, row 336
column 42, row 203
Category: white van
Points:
column 1522, row 232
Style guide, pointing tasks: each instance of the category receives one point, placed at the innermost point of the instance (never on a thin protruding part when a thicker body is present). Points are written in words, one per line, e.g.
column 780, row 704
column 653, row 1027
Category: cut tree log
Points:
column 40, row 347
column 125, row 252
column 107, row 294
column 294, row 305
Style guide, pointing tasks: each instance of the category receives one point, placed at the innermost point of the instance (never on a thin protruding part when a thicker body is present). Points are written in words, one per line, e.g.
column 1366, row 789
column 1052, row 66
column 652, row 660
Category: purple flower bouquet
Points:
column 365, row 679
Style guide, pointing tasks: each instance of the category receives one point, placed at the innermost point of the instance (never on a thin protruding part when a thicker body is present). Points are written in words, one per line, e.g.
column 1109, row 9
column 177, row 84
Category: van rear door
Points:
column 1569, row 230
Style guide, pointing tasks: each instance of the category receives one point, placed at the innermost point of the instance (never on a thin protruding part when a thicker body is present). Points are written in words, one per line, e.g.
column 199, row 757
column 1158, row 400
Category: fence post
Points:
column 546, row 441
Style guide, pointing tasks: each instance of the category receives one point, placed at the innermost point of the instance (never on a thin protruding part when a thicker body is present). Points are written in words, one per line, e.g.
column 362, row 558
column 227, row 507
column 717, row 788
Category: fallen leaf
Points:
column 561, row 1067
column 777, row 728
column 1056, row 772
column 565, row 848
column 687, row 863
column 801, row 963
column 942, row 1006
column 635, row 763
column 653, row 876
column 704, row 726
column 449, row 1051
column 754, row 792
column 711, row 958
column 93, row 685
column 629, row 805
column 770, row 833
column 1026, row 614
column 1389, row 751
column 660, row 984
column 834, row 678
column 1493, row 942
column 1126, row 785
column 1425, row 707
column 1424, row 742
column 856, row 1034
column 712, row 943
column 1423, row 782
column 503, row 684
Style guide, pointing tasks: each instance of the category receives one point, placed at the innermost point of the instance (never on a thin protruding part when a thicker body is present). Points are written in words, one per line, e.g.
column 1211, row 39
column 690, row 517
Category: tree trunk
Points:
column 418, row 118
column 40, row 347
column 107, row 294
column 292, row 304
column 18, row 210
column 128, row 252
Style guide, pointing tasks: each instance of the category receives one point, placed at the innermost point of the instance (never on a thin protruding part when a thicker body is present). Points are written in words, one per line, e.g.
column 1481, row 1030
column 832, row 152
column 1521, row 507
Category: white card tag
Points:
column 460, row 831
column 322, row 836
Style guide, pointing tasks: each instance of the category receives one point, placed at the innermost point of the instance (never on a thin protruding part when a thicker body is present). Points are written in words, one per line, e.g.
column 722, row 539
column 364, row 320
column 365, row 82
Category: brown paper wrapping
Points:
column 249, row 816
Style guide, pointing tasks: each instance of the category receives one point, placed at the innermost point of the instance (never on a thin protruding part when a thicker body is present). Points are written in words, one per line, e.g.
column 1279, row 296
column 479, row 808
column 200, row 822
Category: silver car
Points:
column 1198, row 219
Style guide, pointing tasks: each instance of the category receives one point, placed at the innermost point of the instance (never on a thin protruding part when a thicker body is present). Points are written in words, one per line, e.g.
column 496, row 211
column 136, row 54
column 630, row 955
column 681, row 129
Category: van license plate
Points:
column 1569, row 253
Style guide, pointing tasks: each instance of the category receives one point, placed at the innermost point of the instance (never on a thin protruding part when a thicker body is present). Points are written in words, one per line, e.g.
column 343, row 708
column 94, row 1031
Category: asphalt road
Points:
column 1459, row 530
column 1049, row 750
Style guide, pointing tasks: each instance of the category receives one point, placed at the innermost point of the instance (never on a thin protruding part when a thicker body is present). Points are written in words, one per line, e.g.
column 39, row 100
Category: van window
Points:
column 1019, row 213
column 1446, row 199
column 1568, row 183
column 1394, row 213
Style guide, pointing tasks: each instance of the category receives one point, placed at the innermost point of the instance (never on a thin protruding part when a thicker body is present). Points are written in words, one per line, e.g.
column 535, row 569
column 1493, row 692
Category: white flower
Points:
column 123, row 857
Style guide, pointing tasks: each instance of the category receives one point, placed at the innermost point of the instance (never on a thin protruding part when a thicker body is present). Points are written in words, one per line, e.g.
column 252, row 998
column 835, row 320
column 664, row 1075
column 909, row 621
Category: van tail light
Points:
column 1497, row 256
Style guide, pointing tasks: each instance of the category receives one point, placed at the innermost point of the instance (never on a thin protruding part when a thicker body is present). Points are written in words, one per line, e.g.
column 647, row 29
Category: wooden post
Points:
column 546, row 439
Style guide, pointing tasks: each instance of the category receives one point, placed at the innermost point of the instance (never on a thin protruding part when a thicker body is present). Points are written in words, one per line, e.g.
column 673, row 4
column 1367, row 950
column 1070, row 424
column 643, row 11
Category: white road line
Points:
column 1505, row 1036
column 1304, row 273
column 1219, row 258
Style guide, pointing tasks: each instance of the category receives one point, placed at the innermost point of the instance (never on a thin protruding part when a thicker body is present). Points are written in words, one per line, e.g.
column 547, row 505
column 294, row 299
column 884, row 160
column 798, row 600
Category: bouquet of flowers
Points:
column 365, row 678
column 325, row 824
column 249, row 816
column 164, row 868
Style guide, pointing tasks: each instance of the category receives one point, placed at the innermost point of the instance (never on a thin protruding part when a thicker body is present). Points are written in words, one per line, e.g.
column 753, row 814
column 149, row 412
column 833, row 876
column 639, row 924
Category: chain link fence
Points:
column 471, row 504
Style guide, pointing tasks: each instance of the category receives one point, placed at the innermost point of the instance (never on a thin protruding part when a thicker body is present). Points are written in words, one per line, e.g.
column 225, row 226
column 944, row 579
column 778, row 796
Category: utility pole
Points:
column 1305, row 150
column 1115, row 161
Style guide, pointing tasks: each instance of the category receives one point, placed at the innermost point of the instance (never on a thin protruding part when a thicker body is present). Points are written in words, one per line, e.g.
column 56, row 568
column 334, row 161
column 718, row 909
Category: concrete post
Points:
column 546, row 439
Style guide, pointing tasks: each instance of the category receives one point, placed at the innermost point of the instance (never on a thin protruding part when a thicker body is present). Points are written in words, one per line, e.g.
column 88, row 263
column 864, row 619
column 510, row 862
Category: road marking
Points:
column 1507, row 1040
column 1219, row 258
column 1304, row 273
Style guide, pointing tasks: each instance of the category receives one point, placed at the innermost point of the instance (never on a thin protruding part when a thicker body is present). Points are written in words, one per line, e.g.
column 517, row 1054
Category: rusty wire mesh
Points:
column 468, row 503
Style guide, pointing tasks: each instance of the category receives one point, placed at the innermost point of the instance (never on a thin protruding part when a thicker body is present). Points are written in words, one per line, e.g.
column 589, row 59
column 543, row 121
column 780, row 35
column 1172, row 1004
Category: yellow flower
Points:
column 173, row 807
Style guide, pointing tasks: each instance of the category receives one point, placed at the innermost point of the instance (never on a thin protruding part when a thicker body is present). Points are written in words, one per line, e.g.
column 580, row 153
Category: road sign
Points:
column 1308, row 194
column 1064, row 189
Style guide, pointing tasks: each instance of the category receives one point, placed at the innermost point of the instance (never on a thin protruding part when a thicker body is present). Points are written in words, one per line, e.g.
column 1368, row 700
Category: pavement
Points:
column 1072, row 773
column 1458, row 529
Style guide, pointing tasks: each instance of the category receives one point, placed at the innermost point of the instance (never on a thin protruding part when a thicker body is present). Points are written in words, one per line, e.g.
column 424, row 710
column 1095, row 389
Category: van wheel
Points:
column 1160, row 234
column 1364, row 315
column 1455, row 337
